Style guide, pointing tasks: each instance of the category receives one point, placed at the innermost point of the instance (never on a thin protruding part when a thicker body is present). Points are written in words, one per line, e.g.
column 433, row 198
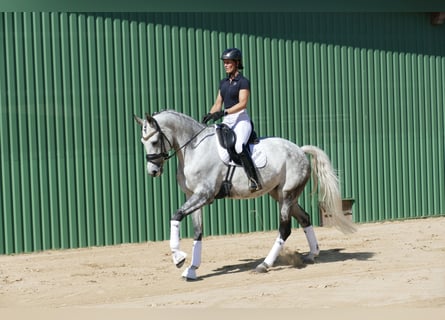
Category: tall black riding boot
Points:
column 250, row 170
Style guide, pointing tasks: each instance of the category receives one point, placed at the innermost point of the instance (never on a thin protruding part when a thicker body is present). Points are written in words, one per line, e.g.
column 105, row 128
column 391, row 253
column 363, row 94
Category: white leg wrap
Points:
column 177, row 255
column 312, row 240
column 196, row 254
column 174, row 235
column 190, row 273
column 274, row 252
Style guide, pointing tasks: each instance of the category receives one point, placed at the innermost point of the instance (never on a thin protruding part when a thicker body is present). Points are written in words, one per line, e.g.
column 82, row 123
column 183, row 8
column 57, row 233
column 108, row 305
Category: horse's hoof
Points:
column 309, row 258
column 189, row 274
column 179, row 258
column 180, row 264
column 262, row 268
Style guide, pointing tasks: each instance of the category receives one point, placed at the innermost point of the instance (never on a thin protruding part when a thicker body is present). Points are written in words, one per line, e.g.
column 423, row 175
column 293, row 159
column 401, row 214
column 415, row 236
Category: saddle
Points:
column 227, row 139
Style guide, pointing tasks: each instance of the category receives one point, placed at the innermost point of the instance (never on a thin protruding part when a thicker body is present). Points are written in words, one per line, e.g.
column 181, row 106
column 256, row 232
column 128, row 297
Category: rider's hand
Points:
column 213, row 116
column 218, row 115
column 206, row 118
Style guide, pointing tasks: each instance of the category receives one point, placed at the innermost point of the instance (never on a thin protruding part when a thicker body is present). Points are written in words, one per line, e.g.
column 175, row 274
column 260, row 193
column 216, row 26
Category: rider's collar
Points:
column 237, row 77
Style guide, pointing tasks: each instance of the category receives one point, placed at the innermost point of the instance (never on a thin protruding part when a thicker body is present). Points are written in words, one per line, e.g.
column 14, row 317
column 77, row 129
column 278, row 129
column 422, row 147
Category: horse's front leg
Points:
column 194, row 203
column 190, row 272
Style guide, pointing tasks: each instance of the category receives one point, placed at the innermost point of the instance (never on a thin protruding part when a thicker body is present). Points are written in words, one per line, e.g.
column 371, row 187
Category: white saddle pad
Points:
column 258, row 155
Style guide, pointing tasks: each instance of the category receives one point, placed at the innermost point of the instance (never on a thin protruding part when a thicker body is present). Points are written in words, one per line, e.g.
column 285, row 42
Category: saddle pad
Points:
column 258, row 155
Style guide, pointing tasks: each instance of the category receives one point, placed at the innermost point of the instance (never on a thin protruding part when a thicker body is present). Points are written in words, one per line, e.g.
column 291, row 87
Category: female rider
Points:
column 234, row 92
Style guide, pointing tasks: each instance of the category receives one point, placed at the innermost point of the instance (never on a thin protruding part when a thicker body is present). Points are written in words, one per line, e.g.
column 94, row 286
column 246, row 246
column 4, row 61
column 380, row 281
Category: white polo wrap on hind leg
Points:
column 274, row 252
column 312, row 240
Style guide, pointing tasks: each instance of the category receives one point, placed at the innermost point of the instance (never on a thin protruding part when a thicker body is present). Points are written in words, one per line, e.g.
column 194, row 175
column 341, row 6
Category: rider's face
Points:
column 230, row 66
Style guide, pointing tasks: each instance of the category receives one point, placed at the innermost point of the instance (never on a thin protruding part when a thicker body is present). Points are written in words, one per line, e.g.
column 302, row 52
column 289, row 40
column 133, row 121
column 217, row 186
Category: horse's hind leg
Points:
column 304, row 220
column 284, row 233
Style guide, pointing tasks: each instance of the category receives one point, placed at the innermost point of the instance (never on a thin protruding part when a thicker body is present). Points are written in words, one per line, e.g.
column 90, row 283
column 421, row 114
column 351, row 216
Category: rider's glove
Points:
column 218, row 115
column 213, row 116
column 206, row 118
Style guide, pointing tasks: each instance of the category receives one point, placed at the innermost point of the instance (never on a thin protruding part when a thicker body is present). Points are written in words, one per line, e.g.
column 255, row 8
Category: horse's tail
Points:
column 330, row 196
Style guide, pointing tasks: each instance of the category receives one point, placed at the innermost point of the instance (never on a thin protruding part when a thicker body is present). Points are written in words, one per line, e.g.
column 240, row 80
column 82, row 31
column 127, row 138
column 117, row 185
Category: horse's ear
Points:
column 150, row 119
column 138, row 120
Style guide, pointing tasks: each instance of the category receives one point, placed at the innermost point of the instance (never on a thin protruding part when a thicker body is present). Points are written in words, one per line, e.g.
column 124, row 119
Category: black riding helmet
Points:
column 233, row 54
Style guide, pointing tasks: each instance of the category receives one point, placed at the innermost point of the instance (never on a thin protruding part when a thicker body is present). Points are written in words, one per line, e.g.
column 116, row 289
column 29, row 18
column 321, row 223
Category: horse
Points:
column 201, row 172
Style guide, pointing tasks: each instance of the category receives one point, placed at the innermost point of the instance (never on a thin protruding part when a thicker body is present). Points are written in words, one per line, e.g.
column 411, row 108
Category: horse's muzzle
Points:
column 154, row 170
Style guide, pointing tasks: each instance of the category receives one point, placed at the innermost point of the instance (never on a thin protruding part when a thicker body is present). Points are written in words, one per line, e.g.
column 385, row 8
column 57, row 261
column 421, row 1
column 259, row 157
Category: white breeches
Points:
column 241, row 125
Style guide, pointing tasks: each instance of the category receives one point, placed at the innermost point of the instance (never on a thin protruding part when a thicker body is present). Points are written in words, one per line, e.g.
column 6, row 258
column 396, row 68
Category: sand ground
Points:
column 391, row 264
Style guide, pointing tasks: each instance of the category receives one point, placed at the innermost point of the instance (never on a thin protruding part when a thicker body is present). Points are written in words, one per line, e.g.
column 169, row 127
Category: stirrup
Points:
column 254, row 186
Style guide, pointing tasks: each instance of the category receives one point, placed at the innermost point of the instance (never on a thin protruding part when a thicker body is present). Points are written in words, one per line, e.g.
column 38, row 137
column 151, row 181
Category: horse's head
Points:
column 154, row 141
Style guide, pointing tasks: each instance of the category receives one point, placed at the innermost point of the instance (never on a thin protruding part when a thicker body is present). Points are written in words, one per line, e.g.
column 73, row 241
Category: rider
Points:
column 234, row 92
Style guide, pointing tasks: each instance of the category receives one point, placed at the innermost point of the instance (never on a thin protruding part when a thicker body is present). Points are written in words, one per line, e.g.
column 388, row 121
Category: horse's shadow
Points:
column 336, row 255
column 290, row 260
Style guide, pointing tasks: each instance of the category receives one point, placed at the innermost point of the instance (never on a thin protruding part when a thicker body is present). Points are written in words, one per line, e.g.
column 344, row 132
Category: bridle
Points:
column 152, row 157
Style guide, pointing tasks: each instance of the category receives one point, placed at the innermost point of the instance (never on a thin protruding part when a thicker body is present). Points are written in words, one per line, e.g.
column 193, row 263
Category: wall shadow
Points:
column 410, row 32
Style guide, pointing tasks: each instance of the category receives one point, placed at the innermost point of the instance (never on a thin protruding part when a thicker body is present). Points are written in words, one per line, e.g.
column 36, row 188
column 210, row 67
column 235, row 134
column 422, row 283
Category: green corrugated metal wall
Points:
column 368, row 88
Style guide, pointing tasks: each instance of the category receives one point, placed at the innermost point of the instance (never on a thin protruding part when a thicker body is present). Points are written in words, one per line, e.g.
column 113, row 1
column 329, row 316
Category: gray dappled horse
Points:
column 201, row 172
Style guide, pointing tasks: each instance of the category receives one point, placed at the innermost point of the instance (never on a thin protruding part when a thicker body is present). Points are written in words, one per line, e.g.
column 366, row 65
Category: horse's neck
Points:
column 179, row 130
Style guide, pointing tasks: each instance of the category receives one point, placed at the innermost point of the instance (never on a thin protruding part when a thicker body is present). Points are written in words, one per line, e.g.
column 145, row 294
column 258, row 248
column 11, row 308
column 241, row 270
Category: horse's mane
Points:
column 181, row 115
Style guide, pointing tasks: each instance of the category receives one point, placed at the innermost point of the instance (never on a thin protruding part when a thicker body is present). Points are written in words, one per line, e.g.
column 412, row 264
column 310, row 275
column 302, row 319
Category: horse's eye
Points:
column 154, row 143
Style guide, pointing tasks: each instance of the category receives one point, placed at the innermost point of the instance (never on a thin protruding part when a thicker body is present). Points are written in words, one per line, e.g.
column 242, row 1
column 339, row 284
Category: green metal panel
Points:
column 367, row 88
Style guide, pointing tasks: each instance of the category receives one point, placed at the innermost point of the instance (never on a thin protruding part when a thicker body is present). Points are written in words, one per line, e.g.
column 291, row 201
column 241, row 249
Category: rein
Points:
column 164, row 153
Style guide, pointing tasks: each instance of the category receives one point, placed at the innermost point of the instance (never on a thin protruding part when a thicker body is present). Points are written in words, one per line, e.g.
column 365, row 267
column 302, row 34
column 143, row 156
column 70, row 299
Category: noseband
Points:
column 164, row 154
